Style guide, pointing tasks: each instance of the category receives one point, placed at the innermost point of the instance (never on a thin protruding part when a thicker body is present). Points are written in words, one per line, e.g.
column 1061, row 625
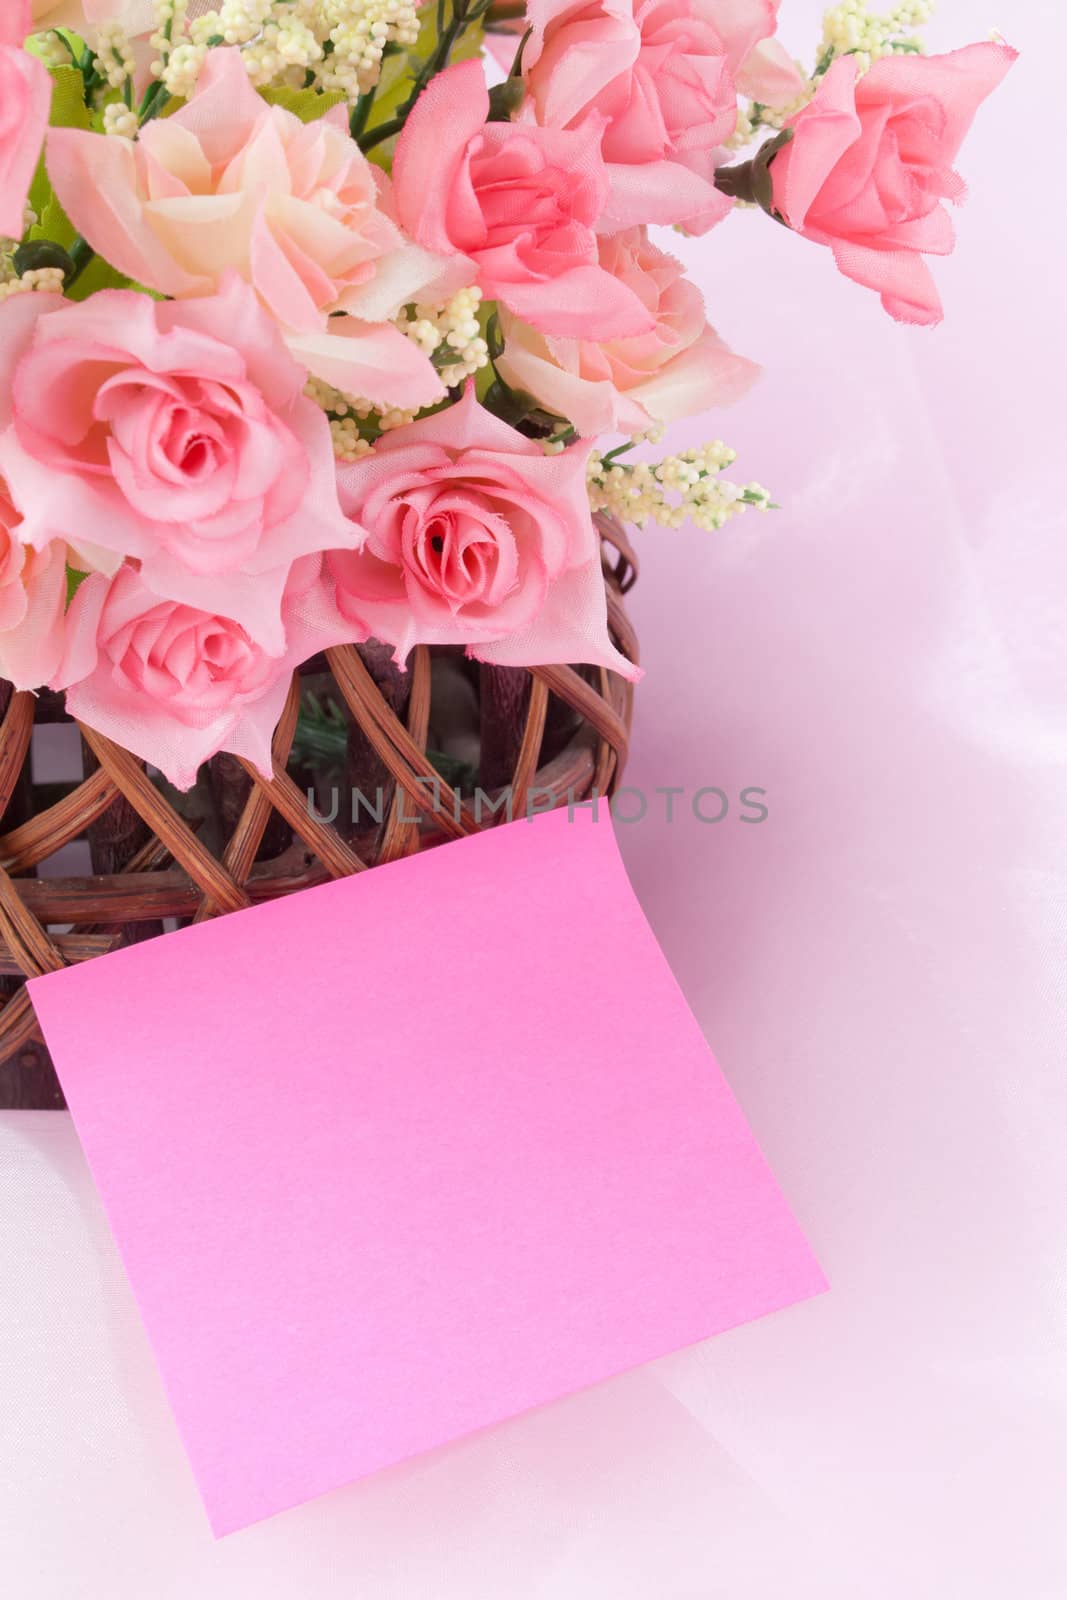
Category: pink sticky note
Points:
column 411, row 1153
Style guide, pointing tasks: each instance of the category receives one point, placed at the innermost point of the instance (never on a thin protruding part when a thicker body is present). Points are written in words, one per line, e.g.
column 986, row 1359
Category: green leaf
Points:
column 54, row 223
column 320, row 742
column 99, row 274
column 68, row 99
column 68, row 111
column 307, row 104
column 461, row 775
column 75, row 579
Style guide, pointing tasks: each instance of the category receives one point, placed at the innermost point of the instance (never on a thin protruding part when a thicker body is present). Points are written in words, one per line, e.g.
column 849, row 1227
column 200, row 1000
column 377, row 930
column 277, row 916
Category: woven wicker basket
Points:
column 559, row 730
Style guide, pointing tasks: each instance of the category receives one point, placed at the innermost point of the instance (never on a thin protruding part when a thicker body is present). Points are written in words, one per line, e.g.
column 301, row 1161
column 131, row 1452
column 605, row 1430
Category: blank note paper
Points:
column 408, row 1154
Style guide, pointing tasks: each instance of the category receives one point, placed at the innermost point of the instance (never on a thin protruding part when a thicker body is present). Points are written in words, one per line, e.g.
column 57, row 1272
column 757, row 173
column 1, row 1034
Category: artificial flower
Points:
column 661, row 75
column 477, row 538
column 231, row 184
column 677, row 369
column 177, row 683
column 520, row 204
column 871, row 160
column 176, row 433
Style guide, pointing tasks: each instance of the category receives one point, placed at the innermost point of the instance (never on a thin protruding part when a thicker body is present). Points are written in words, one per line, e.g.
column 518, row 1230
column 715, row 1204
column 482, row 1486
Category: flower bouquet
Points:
column 335, row 346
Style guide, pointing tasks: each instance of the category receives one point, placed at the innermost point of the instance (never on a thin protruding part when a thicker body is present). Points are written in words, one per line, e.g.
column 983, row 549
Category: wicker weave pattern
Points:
column 174, row 874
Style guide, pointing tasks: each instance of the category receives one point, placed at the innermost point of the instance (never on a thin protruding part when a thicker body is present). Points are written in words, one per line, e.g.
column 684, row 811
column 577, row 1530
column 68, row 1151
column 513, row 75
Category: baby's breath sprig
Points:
column 332, row 45
column 114, row 58
column 355, row 423
column 850, row 28
column 681, row 488
column 53, row 49
column 361, row 34
column 451, row 335
column 119, row 121
column 40, row 280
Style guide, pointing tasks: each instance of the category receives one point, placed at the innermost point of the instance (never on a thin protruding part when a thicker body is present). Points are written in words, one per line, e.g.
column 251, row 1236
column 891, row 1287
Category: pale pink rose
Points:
column 25, row 98
column 176, row 684
column 770, row 75
column 519, row 203
column 176, row 433
column 871, row 161
column 230, row 184
column 33, row 595
column 477, row 538
column 627, row 385
column 662, row 74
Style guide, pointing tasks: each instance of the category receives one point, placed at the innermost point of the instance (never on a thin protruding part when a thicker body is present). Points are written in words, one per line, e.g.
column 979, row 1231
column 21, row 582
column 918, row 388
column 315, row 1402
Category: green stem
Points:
column 751, row 180
column 150, row 105
column 82, row 254
column 361, row 111
column 462, row 17
column 736, row 182
column 383, row 131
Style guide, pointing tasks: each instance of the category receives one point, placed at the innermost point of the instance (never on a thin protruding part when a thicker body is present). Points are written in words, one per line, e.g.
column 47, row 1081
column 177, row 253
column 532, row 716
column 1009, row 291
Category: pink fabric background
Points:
column 879, row 968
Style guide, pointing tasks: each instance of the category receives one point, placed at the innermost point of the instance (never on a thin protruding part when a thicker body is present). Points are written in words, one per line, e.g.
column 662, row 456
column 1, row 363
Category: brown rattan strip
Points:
column 339, row 859
column 569, row 686
column 15, row 731
column 400, row 833
column 72, row 947
column 24, row 935
column 16, row 1029
column 18, row 1024
column 530, row 749
column 607, row 755
column 48, row 832
column 240, row 853
column 402, row 757
column 214, row 882
column 123, row 897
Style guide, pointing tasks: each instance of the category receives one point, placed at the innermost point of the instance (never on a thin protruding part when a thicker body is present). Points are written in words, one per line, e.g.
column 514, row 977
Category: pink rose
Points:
column 520, row 203
column 33, row 596
column 25, row 99
column 627, row 385
column 176, row 684
column 176, row 433
column 871, row 161
column 478, row 538
column 230, row 184
column 662, row 75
